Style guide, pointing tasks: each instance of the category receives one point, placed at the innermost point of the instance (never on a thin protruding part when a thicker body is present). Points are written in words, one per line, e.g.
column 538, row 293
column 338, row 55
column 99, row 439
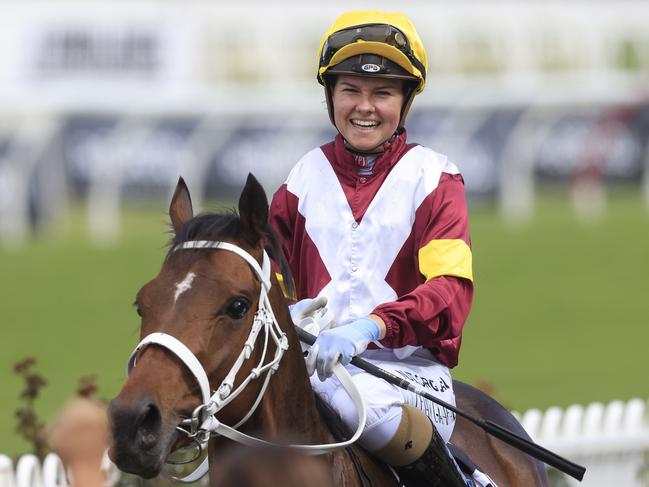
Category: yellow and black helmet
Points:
column 373, row 43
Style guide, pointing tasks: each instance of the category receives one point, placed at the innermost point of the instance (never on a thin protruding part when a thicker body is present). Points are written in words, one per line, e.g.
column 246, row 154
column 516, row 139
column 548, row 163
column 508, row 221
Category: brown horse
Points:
column 206, row 299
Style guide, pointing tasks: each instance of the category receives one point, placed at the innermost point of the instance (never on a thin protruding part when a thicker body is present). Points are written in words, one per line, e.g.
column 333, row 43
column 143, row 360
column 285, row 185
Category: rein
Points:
column 203, row 422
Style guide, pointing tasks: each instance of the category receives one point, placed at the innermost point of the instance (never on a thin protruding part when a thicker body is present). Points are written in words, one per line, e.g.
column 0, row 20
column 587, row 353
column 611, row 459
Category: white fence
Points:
column 611, row 441
column 29, row 472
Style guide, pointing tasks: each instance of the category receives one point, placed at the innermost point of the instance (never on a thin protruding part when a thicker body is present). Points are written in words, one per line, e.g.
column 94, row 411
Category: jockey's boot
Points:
column 435, row 467
column 419, row 454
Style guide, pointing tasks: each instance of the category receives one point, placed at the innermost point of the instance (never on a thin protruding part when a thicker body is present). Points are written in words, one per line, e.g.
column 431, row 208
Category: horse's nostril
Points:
column 150, row 418
column 148, row 427
column 147, row 440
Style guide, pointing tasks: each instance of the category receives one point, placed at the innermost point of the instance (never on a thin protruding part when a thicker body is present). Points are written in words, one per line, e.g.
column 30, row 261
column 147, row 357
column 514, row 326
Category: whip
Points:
column 546, row 456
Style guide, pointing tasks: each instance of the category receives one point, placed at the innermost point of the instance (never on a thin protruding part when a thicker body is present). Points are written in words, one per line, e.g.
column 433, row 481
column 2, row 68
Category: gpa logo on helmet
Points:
column 371, row 68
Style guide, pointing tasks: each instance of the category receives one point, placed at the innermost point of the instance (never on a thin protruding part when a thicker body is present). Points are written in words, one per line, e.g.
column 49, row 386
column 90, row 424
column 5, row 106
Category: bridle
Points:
column 203, row 422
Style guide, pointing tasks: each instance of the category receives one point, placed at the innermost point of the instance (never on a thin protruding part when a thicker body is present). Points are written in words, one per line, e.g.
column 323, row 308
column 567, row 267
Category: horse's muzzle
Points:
column 139, row 444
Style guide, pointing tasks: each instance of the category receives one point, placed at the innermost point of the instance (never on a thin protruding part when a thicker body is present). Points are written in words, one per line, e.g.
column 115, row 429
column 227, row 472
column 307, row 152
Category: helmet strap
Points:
column 409, row 95
column 329, row 96
column 361, row 153
column 375, row 153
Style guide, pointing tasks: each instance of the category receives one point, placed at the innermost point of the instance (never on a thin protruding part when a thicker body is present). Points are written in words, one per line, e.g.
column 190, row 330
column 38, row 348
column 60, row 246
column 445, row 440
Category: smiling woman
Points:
column 367, row 110
column 378, row 227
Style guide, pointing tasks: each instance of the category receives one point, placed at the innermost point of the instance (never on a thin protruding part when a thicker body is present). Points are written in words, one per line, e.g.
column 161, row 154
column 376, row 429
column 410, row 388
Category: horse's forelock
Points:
column 207, row 226
column 217, row 226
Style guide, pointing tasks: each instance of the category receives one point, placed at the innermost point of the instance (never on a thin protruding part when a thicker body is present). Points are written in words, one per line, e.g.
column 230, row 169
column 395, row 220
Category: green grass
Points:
column 560, row 314
column 68, row 303
column 562, row 307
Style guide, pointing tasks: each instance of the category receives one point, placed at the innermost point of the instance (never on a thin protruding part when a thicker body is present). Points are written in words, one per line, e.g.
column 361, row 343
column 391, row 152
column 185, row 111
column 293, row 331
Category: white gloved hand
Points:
column 341, row 344
column 305, row 308
column 312, row 315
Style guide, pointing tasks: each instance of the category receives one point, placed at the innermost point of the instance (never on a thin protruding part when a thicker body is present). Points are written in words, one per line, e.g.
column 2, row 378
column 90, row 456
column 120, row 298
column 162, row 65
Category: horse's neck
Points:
column 288, row 407
column 288, row 412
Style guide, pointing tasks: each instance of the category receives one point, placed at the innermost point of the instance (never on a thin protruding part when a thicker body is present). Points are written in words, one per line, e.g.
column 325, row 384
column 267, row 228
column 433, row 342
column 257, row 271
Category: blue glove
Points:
column 341, row 343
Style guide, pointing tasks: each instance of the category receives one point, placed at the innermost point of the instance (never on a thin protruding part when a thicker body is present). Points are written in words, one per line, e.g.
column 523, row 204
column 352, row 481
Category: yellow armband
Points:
column 446, row 257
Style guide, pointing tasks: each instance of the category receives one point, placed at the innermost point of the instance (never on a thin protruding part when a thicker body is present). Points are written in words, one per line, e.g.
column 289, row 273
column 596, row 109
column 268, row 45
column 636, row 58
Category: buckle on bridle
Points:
column 197, row 442
column 198, row 417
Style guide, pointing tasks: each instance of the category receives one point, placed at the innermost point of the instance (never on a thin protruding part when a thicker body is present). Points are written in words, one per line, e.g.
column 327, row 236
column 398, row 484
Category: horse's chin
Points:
column 143, row 463
column 142, row 436
column 147, row 473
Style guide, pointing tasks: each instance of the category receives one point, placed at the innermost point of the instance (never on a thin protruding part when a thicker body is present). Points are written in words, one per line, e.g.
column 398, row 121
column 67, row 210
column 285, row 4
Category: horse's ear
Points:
column 253, row 210
column 180, row 209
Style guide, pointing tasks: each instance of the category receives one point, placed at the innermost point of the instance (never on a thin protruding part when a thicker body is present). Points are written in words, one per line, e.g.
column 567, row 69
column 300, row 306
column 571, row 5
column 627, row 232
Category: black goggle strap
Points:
column 384, row 33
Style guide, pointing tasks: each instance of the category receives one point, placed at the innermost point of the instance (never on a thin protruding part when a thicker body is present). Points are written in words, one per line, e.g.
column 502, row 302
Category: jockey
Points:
column 378, row 226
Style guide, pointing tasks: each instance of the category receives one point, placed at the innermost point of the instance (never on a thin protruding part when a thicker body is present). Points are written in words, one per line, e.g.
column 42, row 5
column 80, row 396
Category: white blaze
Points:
column 184, row 285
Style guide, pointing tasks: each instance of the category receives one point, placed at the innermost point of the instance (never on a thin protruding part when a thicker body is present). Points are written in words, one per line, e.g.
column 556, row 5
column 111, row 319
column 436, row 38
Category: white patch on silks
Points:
column 184, row 285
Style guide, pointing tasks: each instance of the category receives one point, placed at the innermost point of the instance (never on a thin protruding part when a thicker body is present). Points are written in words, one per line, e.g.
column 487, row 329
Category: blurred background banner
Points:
column 101, row 98
column 544, row 106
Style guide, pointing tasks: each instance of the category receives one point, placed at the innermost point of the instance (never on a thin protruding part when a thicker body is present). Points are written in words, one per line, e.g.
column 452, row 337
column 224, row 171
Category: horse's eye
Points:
column 138, row 310
column 238, row 308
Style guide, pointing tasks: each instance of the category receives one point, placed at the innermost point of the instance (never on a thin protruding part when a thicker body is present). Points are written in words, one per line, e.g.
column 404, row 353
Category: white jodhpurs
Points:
column 384, row 400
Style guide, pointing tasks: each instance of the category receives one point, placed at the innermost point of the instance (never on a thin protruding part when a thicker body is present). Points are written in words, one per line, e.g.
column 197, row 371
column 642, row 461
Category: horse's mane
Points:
column 217, row 226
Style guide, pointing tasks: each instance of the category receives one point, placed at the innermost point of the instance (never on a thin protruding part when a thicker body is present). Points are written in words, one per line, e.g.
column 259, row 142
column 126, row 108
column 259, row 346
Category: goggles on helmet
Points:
column 384, row 33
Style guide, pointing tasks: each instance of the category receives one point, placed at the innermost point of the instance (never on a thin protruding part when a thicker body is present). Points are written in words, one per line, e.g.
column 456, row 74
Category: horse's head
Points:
column 205, row 298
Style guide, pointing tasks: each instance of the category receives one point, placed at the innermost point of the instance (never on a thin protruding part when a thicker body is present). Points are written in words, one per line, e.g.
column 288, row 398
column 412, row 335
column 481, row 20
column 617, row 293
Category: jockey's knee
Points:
column 411, row 434
column 398, row 434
